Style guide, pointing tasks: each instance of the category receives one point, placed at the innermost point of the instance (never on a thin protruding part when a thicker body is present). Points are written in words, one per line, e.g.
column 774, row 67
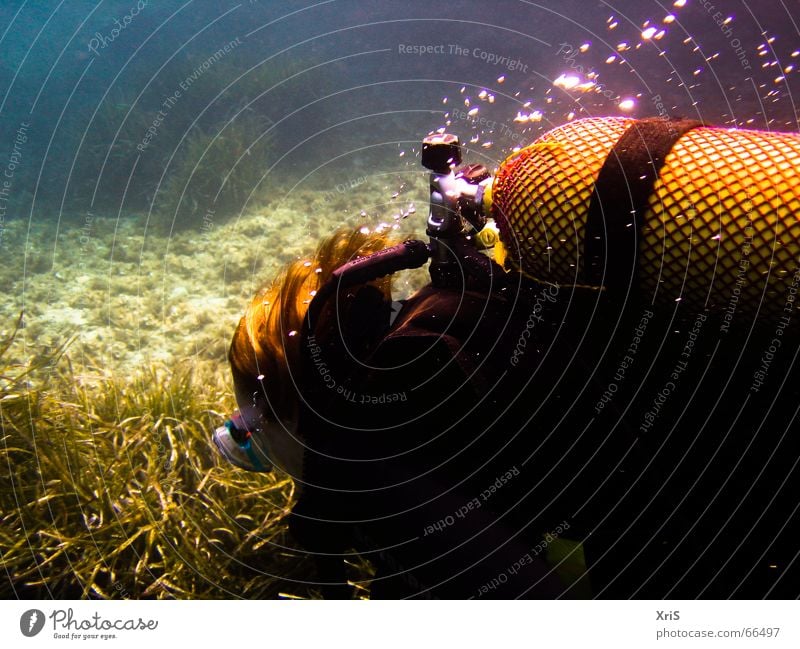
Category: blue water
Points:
column 341, row 85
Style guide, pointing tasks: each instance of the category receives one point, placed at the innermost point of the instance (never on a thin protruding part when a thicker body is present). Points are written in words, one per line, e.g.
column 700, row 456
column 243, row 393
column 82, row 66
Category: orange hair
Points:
column 267, row 340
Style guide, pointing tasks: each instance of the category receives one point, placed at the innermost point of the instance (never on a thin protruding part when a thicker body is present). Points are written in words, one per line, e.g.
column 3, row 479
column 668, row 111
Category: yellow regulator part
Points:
column 487, row 199
column 717, row 227
column 488, row 236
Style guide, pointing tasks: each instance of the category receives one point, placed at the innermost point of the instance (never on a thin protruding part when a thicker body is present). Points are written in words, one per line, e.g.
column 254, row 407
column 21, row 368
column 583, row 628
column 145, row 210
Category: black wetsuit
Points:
column 490, row 443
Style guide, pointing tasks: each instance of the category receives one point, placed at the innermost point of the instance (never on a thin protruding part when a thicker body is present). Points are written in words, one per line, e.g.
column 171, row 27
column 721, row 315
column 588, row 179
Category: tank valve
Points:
column 456, row 212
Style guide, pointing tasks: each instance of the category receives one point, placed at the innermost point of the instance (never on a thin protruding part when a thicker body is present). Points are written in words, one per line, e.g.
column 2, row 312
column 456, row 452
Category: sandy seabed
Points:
column 128, row 293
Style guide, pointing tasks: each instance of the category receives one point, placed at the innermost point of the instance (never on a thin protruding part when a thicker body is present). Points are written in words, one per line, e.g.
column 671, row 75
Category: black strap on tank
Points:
column 620, row 197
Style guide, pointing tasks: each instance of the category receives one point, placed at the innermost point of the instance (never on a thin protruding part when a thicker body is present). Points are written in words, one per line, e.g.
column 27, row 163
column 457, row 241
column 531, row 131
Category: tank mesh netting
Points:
column 541, row 197
column 722, row 226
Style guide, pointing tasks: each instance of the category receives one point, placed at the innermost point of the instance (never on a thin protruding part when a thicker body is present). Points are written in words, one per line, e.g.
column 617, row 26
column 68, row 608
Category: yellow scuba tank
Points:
column 670, row 208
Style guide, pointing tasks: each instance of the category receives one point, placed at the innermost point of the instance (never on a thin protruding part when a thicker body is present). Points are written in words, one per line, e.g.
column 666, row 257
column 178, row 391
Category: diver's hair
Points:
column 267, row 342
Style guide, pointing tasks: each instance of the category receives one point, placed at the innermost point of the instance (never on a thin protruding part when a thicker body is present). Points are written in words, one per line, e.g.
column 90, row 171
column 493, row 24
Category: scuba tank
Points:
column 670, row 208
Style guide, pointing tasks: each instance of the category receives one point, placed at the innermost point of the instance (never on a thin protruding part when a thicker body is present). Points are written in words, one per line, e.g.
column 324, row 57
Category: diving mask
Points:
column 237, row 445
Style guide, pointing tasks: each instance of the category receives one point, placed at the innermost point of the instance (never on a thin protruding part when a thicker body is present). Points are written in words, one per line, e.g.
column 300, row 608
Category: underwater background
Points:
column 162, row 160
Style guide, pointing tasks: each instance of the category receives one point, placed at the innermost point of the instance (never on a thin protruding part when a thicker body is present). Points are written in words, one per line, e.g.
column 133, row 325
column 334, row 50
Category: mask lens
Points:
column 235, row 443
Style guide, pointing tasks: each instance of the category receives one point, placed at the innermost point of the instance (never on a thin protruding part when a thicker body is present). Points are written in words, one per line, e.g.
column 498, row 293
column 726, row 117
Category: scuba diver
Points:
column 601, row 408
